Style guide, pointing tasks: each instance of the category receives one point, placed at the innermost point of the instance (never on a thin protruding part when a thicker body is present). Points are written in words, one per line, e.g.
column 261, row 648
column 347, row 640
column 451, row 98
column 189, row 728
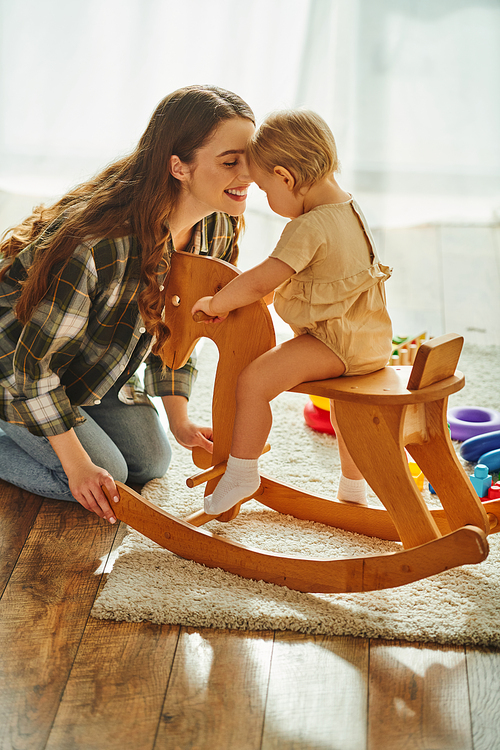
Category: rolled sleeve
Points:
column 162, row 381
column 48, row 414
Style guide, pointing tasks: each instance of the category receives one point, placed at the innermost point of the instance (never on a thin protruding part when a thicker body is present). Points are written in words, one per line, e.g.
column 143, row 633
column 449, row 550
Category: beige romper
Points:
column 337, row 293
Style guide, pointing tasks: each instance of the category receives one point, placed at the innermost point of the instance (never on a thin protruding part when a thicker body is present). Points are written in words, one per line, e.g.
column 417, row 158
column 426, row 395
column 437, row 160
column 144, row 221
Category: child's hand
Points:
column 203, row 305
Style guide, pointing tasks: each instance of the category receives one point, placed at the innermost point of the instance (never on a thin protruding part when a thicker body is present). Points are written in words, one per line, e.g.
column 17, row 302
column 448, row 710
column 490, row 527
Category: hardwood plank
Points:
column 18, row 510
column 471, row 281
column 115, row 693
column 483, row 673
column 217, row 692
column 317, row 693
column 42, row 617
column 418, row 697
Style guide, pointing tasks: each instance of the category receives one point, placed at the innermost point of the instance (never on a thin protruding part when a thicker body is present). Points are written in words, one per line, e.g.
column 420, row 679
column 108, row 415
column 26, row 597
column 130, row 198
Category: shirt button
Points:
column 142, row 330
column 97, row 402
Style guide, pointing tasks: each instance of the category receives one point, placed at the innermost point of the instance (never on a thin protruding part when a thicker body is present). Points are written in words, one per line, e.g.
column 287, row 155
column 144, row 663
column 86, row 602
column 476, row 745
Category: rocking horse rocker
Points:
column 378, row 414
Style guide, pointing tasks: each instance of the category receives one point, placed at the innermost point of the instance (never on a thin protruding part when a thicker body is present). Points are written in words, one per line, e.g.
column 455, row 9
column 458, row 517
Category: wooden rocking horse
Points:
column 378, row 414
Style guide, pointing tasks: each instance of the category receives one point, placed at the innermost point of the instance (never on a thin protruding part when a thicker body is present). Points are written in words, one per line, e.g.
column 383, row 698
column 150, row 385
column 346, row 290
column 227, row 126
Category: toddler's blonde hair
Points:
column 300, row 141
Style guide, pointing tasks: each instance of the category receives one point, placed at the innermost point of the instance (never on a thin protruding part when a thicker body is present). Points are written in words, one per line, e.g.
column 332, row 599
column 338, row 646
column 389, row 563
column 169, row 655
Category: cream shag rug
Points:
column 461, row 606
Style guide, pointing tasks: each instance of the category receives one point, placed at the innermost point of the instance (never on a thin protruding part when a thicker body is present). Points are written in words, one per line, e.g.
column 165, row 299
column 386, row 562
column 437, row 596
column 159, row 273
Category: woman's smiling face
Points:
column 218, row 179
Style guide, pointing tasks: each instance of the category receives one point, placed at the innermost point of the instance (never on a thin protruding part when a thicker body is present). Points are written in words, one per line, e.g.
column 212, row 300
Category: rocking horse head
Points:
column 244, row 335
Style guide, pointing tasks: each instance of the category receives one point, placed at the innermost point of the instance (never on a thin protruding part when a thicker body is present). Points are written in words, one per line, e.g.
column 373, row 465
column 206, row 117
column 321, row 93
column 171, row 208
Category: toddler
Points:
column 329, row 286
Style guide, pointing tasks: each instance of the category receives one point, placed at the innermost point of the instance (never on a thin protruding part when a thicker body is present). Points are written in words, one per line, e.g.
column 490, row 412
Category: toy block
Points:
column 415, row 471
column 494, row 491
column 417, row 474
column 481, row 480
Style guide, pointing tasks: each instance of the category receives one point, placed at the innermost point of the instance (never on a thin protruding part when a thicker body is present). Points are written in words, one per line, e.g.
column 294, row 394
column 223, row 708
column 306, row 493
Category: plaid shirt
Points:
column 86, row 335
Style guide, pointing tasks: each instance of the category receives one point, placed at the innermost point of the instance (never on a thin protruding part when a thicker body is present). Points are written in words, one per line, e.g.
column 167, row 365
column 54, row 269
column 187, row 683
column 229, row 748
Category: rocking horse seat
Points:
column 379, row 415
column 386, row 386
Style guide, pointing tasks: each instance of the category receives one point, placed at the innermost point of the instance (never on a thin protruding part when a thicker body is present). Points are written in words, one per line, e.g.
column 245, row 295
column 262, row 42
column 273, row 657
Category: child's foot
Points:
column 352, row 491
column 241, row 479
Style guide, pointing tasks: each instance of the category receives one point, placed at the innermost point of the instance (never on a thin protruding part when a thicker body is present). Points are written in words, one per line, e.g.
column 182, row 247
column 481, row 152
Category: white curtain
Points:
column 410, row 88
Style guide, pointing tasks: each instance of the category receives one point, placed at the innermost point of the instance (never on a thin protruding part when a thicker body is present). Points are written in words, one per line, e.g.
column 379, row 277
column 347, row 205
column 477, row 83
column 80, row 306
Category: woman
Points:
column 81, row 304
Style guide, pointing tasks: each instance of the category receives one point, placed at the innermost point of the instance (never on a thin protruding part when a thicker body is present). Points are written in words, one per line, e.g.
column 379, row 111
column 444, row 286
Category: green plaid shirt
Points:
column 87, row 335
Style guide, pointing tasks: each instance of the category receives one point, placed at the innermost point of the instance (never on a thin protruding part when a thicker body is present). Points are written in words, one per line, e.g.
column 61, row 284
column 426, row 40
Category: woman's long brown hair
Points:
column 134, row 195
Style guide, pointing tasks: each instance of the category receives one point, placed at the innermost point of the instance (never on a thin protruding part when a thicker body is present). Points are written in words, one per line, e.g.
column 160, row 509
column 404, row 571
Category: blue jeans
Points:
column 128, row 441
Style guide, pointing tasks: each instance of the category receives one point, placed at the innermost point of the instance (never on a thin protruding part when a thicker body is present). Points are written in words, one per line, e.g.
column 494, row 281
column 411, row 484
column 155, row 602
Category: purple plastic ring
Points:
column 468, row 421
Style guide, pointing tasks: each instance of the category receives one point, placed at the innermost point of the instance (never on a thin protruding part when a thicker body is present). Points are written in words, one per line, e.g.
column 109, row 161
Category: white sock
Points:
column 241, row 479
column 352, row 491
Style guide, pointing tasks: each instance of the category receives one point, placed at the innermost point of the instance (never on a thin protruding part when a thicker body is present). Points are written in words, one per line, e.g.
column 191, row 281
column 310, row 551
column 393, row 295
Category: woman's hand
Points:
column 187, row 433
column 85, row 478
column 86, row 481
column 191, row 435
column 204, row 304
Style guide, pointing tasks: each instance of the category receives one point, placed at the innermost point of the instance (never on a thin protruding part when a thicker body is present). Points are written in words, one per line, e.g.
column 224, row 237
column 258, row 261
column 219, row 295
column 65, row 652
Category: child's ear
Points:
column 286, row 176
column 179, row 169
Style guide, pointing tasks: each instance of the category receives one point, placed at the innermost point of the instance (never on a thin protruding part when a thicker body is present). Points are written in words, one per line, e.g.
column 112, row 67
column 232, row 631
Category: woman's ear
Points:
column 286, row 177
column 179, row 169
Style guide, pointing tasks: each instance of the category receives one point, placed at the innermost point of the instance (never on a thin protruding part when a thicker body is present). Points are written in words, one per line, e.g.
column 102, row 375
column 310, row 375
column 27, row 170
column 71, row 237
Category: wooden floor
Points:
column 68, row 681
